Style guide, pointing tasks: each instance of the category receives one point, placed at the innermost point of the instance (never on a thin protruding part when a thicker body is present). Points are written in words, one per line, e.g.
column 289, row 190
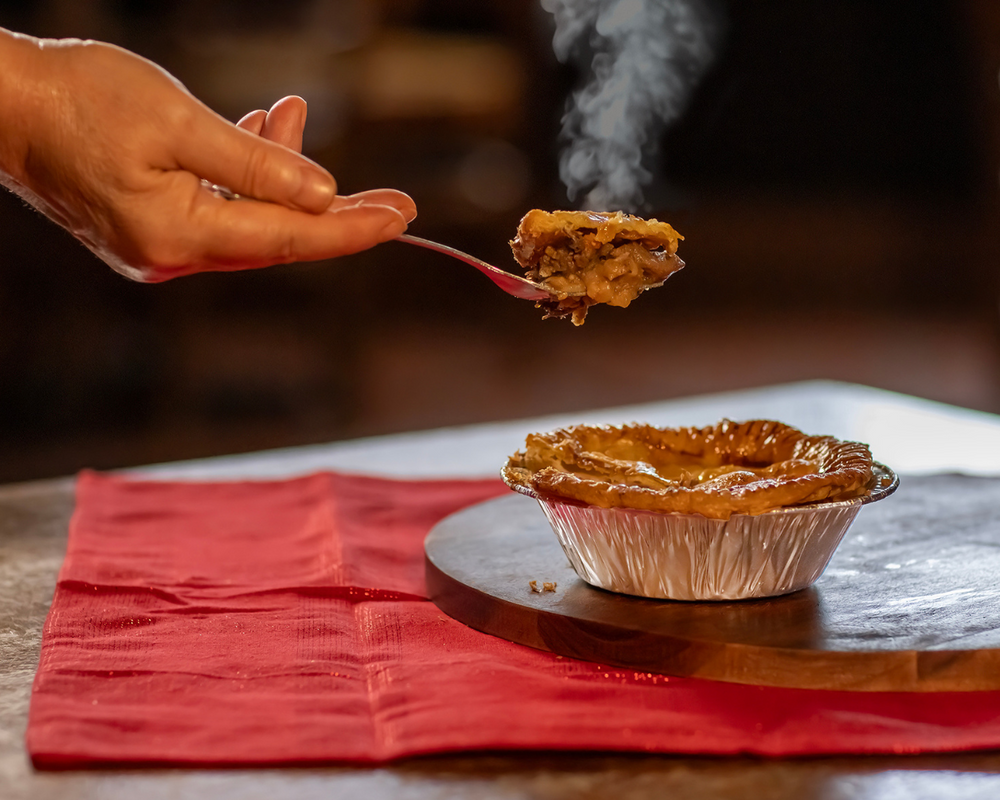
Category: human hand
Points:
column 114, row 149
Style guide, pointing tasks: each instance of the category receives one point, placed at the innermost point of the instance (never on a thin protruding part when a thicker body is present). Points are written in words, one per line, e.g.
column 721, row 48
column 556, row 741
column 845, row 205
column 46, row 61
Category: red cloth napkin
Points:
column 285, row 622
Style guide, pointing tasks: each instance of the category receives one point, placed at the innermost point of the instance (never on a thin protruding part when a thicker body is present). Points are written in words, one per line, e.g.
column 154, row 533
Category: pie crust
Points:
column 590, row 257
column 728, row 468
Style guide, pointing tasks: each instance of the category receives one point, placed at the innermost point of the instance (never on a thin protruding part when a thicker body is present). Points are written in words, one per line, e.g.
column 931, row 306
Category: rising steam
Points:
column 644, row 58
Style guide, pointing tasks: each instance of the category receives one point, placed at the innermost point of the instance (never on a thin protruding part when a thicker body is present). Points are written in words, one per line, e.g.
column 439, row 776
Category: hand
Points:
column 114, row 149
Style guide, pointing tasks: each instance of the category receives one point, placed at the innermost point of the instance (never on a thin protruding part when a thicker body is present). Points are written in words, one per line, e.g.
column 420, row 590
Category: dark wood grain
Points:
column 910, row 601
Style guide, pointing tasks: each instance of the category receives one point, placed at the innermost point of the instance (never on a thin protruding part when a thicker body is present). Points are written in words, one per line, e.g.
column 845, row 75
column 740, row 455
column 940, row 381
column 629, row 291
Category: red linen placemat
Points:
column 285, row 622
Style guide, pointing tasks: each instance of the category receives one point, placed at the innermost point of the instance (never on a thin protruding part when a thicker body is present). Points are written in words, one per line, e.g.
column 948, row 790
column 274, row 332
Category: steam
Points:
column 644, row 58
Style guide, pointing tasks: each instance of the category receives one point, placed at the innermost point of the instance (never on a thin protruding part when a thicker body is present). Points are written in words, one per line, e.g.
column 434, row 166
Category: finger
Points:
column 253, row 122
column 252, row 166
column 380, row 197
column 246, row 235
column 285, row 122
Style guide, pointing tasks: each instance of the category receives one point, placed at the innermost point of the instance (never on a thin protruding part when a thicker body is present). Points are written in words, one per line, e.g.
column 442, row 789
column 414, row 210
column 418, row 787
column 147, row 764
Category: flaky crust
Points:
column 540, row 229
column 717, row 471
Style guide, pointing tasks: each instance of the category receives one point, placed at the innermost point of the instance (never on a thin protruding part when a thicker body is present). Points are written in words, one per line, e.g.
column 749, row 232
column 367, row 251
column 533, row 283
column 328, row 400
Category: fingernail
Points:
column 397, row 227
column 316, row 190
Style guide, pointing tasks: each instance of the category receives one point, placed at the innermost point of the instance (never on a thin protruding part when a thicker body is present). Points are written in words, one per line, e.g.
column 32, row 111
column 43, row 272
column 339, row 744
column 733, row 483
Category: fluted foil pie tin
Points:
column 691, row 557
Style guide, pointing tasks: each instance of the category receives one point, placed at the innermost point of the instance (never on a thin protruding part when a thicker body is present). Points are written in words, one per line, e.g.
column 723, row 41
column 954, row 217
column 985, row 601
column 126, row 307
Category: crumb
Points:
column 534, row 586
column 549, row 586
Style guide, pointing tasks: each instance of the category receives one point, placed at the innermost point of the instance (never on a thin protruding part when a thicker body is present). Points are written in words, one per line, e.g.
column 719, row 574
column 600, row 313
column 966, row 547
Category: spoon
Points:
column 512, row 284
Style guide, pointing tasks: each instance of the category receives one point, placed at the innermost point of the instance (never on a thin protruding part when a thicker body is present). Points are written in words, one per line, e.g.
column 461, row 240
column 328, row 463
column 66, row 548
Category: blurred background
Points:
column 835, row 175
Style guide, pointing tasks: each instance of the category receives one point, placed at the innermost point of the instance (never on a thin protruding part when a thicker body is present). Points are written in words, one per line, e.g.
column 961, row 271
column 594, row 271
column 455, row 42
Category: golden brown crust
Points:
column 590, row 257
column 728, row 468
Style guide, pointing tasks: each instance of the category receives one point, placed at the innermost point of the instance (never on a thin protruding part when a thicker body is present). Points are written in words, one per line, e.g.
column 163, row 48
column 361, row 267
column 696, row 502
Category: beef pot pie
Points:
column 590, row 257
column 717, row 471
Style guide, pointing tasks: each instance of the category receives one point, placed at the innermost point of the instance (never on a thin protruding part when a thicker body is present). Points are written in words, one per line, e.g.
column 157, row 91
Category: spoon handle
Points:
column 512, row 284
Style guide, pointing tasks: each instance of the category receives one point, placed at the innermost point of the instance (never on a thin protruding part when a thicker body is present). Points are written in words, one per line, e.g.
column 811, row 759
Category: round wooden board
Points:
column 910, row 601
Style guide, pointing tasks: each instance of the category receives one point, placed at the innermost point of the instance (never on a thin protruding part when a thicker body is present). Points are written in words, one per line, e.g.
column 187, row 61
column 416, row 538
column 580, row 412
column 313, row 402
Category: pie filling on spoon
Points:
column 588, row 257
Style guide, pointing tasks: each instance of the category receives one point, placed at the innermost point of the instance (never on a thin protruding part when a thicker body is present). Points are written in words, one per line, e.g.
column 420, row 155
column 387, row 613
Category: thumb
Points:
column 253, row 166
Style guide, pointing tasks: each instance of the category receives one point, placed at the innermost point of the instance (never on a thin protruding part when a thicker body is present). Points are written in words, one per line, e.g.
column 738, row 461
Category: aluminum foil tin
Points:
column 690, row 557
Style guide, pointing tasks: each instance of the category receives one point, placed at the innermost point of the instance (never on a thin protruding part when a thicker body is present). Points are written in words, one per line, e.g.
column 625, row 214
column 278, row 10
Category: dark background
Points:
column 835, row 177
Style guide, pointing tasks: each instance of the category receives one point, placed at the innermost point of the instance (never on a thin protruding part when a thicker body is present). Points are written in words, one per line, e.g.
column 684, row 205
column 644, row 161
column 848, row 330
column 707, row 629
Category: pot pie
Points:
column 590, row 257
column 717, row 471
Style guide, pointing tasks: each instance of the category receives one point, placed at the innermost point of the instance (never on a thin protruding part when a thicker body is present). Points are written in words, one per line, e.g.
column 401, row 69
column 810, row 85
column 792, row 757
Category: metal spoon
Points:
column 512, row 284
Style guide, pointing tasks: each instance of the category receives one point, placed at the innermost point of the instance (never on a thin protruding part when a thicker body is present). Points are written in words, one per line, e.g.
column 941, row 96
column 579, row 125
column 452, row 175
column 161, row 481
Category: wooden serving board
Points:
column 909, row 602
